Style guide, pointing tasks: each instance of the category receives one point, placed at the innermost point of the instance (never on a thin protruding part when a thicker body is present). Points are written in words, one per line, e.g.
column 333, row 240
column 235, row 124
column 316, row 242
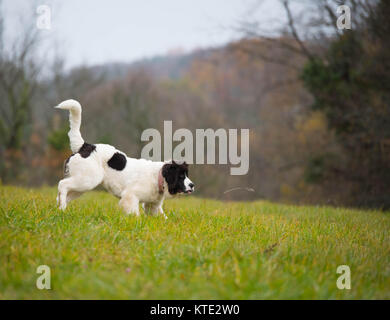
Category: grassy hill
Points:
column 205, row 250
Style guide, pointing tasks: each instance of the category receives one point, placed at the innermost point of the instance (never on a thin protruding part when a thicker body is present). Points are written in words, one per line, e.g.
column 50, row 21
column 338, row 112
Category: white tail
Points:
column 74, row 107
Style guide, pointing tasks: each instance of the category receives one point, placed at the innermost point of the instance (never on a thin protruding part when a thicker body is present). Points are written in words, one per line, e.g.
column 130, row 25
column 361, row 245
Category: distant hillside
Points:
column 165, row 66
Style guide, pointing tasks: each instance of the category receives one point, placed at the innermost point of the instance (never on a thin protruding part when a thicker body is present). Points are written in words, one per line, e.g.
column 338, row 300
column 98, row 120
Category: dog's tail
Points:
column 74, row 107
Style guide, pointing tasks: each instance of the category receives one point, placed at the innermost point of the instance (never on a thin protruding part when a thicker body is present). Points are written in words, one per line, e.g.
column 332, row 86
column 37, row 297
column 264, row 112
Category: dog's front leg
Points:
column 130, row 203
column 150, row 209
column 161, row 211
column 155, row 208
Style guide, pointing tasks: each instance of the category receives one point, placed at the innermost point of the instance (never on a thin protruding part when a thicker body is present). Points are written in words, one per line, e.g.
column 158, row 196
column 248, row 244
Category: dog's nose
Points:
column 191, row 185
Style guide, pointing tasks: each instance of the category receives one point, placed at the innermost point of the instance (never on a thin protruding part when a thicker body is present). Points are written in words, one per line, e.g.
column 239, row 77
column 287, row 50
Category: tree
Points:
column 350, row 84
column 347, row 73
column 122, row 109
column 18, row 82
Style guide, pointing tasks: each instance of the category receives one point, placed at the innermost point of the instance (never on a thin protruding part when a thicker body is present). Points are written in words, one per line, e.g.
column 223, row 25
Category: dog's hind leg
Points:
column 72, row 195
column 63, row 188
column 72, row 187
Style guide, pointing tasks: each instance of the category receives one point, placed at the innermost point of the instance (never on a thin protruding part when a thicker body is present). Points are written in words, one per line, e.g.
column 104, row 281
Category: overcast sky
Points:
column 94, row 32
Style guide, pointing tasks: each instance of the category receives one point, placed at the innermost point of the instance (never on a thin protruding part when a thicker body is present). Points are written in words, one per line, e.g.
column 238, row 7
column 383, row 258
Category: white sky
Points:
column 94, row 32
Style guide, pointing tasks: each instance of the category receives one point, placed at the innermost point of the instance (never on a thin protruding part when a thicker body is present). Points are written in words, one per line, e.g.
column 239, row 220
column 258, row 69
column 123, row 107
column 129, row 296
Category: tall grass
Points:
column 205, row 250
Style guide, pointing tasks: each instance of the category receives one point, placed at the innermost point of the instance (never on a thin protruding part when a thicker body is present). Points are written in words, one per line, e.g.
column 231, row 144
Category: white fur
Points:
column 74, row 107
column 187, row 183
column 136, row 183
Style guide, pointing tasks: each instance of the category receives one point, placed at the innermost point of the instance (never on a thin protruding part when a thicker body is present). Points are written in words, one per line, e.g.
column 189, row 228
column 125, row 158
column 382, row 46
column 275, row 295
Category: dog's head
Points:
column 176, row 176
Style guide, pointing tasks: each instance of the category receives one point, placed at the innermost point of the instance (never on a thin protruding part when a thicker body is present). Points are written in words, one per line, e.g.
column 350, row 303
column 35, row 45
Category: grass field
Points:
column 205, row 250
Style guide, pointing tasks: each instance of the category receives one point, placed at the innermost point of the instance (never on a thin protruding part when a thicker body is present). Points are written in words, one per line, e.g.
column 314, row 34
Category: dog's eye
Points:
column 181, row 176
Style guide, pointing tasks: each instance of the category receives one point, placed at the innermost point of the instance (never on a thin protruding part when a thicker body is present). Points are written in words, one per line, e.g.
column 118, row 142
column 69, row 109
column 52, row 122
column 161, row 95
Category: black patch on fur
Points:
column 174, row 174
column 118, row 161
column 86, row 149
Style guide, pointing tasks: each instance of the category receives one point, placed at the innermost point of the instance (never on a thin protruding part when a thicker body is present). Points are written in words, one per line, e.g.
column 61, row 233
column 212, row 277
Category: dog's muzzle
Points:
column 191, row 190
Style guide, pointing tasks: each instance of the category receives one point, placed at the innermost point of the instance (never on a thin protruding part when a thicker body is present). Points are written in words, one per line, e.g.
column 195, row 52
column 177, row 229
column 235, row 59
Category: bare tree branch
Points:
column 294, row 32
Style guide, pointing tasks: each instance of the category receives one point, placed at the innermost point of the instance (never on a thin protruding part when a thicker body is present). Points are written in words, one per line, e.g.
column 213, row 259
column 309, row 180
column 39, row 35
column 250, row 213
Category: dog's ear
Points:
column 183, row 164
column 168, row 170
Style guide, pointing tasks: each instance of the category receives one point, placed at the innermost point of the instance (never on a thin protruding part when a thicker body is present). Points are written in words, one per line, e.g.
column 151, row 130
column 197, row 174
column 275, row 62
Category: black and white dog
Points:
column 134, row 181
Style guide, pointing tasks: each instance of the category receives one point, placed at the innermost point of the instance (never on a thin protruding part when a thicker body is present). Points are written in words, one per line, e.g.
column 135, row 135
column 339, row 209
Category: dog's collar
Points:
column 160, row 182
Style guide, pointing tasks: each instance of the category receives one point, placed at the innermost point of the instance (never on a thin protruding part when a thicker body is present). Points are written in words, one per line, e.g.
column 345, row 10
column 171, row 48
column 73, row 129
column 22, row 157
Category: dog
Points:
column 134, row 181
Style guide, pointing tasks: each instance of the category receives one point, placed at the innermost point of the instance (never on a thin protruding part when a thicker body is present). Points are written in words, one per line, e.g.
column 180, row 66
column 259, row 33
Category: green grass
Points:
column 205, row 250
